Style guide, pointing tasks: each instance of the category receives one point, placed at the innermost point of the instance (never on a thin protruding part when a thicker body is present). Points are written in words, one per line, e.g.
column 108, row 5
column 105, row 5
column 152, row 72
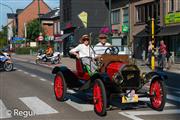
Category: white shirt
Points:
column 100, row 48
column 83, row 50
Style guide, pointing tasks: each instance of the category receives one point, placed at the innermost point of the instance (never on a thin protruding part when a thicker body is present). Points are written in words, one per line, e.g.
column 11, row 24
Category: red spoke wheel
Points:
column 60, row 86
column 158, row 93
column 99, row 97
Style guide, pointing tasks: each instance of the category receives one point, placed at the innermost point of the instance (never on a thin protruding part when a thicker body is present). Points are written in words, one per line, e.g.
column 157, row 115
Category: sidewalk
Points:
column 66, row 61
column 70, row 63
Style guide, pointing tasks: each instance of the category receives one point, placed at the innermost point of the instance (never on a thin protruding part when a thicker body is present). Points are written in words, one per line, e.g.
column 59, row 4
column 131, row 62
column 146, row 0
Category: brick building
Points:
column 30, row 13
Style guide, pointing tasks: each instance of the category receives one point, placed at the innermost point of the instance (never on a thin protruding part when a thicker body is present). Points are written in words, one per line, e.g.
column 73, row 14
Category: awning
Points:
column 60, row 39
column 170, row 30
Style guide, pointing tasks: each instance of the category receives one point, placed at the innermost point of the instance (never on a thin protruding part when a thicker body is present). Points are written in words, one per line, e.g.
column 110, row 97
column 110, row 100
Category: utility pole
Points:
column 153, row 48
column 39, row 21
column 39, row 15
column 110, row 15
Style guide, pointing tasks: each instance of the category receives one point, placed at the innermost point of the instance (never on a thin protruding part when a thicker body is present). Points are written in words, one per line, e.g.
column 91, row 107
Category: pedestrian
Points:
column 84, row 52
column 163, row 53
column 149, row 54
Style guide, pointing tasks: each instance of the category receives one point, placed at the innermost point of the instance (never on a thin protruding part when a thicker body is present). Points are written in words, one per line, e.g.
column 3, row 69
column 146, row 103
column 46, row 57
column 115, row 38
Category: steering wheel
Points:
column 113, row 50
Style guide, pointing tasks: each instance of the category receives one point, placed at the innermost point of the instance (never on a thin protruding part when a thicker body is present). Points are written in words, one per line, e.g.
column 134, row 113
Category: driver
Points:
column 84, row 52
column 102, row 45
column 49, row 51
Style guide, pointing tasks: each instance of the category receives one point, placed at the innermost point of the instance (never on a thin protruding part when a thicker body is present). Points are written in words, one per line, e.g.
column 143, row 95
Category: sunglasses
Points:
column 86, row 39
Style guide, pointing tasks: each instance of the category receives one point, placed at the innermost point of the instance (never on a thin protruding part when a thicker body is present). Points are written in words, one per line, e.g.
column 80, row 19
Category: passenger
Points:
column 84, row 52
column 100, row 47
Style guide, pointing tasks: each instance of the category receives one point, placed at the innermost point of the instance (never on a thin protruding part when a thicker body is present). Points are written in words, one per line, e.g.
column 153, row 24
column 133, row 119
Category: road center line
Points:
column 26, row 73
column 19, row 70
column 32, row 75
column 38, row 106
column 42, row 79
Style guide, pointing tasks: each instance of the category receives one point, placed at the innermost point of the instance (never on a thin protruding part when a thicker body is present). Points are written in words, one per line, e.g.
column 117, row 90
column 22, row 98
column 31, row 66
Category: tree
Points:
column 3, row 36
column 33, row 30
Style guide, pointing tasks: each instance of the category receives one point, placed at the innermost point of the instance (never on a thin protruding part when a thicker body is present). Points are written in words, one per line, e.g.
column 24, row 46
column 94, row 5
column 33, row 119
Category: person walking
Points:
column 163, row 53
column 149, row 53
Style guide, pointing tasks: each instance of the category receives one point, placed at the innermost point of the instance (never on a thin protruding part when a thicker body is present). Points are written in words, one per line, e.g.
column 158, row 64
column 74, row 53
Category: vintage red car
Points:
column 116, row 76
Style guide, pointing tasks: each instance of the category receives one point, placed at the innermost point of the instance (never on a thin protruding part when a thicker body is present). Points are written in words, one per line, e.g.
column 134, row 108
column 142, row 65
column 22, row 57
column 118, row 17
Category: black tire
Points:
column 100, row 103
column 157, row 89
column 44, row 59
column 60, row 87
column 8, row 66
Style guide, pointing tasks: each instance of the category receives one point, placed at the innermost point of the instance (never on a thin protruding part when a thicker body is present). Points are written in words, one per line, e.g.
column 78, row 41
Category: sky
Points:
column 19, row 4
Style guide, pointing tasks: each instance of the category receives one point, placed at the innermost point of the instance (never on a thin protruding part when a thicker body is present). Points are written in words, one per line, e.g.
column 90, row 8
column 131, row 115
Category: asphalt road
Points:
column 27, row 93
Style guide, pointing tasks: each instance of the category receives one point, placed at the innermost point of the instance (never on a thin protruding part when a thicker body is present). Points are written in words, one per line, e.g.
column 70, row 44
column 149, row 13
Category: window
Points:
column 115, row 16
column 178, row 5
column 147, row 11
column 171, row 5
column 140, row 14
column 125, row 16
column 58, row 29
column 55, row 30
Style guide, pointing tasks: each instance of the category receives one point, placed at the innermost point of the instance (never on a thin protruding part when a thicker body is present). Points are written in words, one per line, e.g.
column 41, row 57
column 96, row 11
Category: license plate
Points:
column 133, row 99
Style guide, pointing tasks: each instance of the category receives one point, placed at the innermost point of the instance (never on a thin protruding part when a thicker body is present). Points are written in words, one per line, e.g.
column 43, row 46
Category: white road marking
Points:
column 32, row 62
column 4, row 112
column 173, row 88
column 38, row 106
column 174, row 98
column 26, row 73
column 32, row 75
column 42, row 79
column 133, row 114
column 79, row 106
column 52, row 84
column 19, row 70
column 178, row 92
column 145, row 99
column 71, row 91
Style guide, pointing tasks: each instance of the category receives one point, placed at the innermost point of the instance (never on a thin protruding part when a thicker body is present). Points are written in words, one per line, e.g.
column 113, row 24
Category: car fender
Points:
column 69, row 76
column 103, row 76
column 153, row 75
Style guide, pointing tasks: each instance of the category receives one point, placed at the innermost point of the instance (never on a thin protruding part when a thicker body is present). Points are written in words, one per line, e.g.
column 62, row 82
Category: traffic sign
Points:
column 40, row 38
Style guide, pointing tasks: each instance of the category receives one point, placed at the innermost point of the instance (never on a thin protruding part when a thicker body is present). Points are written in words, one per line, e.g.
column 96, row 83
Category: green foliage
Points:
column 33, row 30
column 3, row 37
column 29, row 50
column 26, row 50
column 3, row 42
